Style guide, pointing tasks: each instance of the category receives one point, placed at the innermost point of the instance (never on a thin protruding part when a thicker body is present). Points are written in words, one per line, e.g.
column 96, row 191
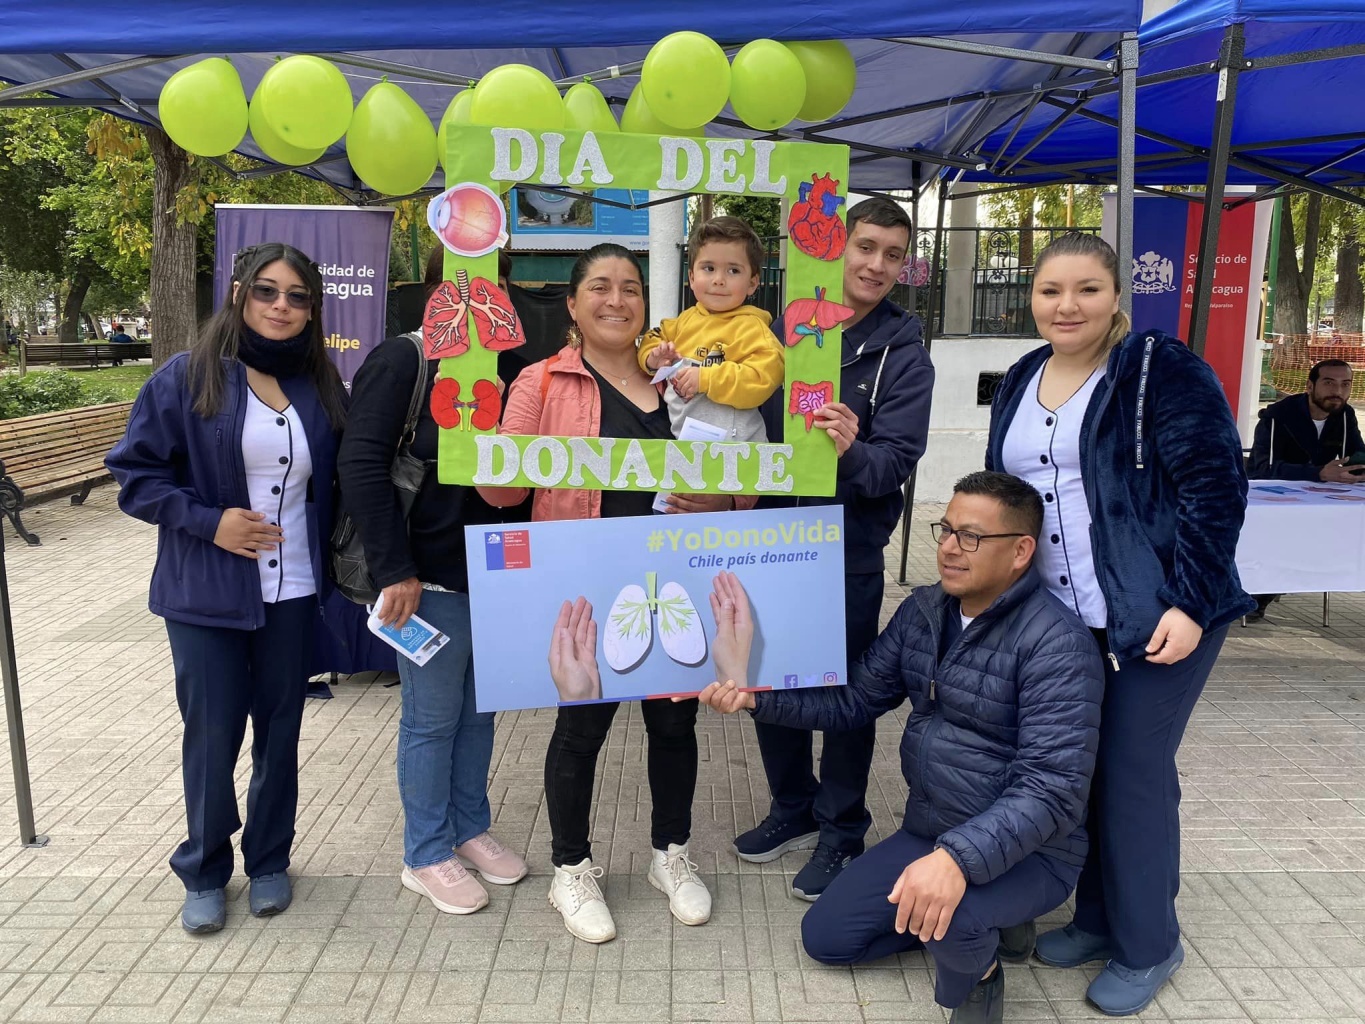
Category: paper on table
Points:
column 692, row 430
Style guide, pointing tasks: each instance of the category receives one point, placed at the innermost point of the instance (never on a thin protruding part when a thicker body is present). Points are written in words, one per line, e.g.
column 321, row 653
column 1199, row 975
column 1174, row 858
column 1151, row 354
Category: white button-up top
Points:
column 1042, row 446
column 278, row 468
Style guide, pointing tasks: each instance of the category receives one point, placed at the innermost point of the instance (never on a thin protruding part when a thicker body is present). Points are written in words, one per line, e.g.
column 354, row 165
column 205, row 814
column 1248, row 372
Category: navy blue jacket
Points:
column 888, row 382
column 999, row 745
column 180, row 471
column 1286, row 445
column 1161, row 462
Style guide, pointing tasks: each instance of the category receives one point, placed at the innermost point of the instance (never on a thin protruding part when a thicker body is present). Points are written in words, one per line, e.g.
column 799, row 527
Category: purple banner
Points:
column 350, row 246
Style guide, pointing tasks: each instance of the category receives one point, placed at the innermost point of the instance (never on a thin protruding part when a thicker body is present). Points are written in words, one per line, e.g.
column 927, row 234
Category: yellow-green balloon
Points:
column 686, row 79
column 831, row 77
column 517, row 96
column 586, row 109
column 456, row 113
column 275, row 147
column 306, row 101
column 767, row 85
column 391, row 143
column 203, row 108
column 639, row 119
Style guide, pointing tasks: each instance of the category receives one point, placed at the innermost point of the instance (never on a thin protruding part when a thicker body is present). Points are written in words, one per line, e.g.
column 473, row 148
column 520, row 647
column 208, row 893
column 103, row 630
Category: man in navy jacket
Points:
column 1005, row 686
column 879, row 428
column 1309, row 436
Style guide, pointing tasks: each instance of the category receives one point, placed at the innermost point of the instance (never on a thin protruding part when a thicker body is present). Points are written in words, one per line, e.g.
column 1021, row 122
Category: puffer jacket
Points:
column 1161, row 463
column 999, row 746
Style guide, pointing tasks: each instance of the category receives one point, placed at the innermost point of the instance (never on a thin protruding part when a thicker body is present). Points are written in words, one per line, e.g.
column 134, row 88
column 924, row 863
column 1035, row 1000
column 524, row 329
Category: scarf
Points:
column 276, row 358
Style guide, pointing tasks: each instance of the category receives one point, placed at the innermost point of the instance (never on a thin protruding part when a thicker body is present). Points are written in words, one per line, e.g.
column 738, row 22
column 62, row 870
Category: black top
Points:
column 432, row 546
column 623, row 418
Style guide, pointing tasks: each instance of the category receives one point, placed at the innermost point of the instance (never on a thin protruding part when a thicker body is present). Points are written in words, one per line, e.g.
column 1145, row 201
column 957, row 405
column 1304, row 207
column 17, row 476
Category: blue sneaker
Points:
column 1071, row 947
column 270, row 894
column 204, row 911
column 1120, row 991
column 772, row 837
column 825, row 865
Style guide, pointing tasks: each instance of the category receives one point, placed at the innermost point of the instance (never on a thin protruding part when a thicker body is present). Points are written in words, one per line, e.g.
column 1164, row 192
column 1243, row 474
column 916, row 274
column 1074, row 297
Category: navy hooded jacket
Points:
column 1287, row 446
column 1161, row 463
column 999, row 745
column 178, row 470
column 886, row 378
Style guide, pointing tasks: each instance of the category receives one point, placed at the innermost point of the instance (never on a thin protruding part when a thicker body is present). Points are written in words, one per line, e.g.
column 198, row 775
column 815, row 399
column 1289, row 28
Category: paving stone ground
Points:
column 1272, row 903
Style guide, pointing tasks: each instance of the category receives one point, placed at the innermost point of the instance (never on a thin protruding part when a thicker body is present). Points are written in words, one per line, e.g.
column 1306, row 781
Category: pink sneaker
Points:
column 451, row 888
column 495, row 862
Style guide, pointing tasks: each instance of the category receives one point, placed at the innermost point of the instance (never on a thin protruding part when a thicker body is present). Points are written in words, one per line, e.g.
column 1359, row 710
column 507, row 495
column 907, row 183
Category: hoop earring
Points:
column 574, row 336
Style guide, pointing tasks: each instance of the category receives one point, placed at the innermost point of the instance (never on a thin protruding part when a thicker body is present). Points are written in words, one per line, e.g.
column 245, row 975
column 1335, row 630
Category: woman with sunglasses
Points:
column 230, row 452
column 1130, row 441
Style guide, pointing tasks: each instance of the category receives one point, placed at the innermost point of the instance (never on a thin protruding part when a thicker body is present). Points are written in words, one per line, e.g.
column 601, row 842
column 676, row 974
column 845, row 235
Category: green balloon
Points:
column 831, row 77
column 306, row 101
column 586, row 110
column 517, row 96
column 686, row 79
column 275, row 147
column 640, row 120
column 391, row 144
column 456, row 113
column 203, row 108
column 767, row 85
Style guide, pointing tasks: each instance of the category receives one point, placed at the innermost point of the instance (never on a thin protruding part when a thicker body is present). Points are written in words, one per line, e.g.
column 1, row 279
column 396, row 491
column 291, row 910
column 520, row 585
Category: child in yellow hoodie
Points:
column 734, row 361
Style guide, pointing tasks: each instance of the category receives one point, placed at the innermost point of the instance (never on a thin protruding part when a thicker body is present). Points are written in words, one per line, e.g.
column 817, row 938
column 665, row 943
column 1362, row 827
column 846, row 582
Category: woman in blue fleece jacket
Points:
column 1130, row 440
column 230, row 452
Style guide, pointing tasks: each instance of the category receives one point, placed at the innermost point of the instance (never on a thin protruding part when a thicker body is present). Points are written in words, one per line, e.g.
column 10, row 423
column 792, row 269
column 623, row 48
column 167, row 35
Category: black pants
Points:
column 1132, row 873
column 854, row 922
column 222, row 677
column 571, row 763
column 838, row 801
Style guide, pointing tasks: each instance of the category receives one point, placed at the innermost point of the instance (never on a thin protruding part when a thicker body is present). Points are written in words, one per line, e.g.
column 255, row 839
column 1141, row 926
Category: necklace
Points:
column 625, row 378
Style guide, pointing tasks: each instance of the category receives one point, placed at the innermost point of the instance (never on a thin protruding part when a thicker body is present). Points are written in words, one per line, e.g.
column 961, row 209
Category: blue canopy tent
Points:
column 1231, row 91
column 934, row 80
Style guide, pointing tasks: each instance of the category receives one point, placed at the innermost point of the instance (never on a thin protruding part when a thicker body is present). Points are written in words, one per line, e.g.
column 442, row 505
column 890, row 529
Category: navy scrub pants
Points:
column 853, row 922
column 1132, row 874
column 222, row 677
column 838, row 801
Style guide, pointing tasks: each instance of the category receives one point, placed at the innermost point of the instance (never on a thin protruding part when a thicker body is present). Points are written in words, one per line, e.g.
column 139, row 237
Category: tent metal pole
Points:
column 84, row 75
column 908, row 488
column 14, row 716
column 1043, row 135
column 928, row 344
column 1230, row 62
column 1128, row 65
column 394, row 68
column 1012, row 52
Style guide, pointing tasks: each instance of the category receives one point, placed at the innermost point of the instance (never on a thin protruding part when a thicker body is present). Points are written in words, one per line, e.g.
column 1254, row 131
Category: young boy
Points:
column 734, row 359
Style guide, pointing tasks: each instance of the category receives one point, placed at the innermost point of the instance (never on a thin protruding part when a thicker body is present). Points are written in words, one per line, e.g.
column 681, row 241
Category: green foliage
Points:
column 762, row 213
column 1045, row 206
column 50, row 391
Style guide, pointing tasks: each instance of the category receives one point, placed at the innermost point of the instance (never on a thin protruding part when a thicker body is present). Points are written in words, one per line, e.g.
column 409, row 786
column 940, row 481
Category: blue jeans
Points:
column 444, row 744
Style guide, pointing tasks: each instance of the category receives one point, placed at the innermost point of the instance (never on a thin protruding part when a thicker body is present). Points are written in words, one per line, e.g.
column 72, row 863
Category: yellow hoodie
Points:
column 741, row 359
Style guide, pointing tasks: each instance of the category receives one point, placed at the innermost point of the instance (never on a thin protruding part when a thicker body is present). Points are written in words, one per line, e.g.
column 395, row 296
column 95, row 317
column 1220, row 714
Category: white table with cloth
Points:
column 1302, row 537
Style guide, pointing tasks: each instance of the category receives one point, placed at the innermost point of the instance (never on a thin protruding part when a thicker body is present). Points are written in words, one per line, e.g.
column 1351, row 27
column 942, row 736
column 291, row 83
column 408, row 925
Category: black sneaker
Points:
column 771, row 838
column 986, row 1003
column 1017, row 942
column 824, row 866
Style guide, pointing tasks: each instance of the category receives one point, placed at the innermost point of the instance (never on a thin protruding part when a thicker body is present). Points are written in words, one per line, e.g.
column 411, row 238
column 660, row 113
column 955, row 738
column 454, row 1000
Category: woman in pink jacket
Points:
column 594, row 387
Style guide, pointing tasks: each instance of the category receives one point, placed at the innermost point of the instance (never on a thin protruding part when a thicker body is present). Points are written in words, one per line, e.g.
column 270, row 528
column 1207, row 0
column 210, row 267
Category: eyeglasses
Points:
column 966, row 540
column 268, row 293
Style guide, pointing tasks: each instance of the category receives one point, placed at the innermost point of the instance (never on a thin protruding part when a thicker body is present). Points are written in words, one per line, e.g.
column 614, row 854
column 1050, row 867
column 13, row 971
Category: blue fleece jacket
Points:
column 178, row 470
column 886, row 378
column 1000, row 740
column 1161, row 463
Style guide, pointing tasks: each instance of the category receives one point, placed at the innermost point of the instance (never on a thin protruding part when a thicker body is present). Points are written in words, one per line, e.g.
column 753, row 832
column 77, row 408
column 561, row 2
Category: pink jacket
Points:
column 568, row 405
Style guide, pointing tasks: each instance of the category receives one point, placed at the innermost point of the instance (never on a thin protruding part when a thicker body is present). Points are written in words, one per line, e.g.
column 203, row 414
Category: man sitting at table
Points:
column 1005, row 685
column 1308, row 437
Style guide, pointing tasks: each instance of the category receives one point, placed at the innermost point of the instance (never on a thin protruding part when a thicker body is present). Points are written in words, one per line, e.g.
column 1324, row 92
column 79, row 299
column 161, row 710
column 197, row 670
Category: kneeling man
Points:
column 1005, row 686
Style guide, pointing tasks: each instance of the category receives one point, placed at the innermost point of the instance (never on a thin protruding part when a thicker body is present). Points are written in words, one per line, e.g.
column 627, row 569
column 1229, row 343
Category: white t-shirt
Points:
column 1319, row 424
column 1042, row 447
column 278, row 468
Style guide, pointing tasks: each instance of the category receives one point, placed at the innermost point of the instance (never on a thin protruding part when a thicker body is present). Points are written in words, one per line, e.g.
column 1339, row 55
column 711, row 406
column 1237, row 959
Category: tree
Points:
column 1346, row 311
column 1295, row 283
column 1048, row 206
column 761, row 213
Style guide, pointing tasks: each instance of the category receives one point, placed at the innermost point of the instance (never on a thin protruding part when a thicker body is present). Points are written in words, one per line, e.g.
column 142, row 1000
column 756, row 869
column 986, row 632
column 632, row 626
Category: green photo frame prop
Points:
column 812, row 176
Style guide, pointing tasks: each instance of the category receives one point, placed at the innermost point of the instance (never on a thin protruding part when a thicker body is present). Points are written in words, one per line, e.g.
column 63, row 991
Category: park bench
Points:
column 92, row 353
column 56, row 453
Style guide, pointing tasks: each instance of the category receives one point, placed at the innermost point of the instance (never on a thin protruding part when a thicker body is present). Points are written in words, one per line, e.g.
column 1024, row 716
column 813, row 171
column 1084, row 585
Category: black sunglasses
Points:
column 268, row 293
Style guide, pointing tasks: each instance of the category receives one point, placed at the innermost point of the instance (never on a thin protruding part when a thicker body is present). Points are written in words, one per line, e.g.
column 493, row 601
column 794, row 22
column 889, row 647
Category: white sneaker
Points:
column 574, row 893
column 674, row 875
